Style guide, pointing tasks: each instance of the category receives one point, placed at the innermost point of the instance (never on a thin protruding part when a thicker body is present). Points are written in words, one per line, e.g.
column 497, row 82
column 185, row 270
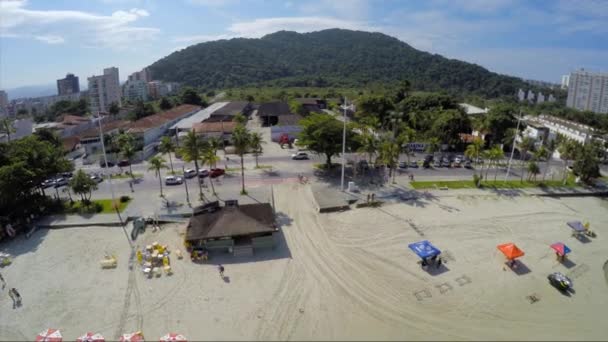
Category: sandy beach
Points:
column 339, row 276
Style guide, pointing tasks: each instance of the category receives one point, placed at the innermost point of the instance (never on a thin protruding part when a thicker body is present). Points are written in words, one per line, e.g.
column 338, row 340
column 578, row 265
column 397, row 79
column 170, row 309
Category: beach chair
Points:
column 179, row 254
column 168, row 270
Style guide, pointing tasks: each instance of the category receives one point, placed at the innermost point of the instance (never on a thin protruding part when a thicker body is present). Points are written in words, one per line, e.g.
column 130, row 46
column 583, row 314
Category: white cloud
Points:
column 476, row 6
column 344, row 9
column 50, row 39
column 113, row 31
column 212, row 3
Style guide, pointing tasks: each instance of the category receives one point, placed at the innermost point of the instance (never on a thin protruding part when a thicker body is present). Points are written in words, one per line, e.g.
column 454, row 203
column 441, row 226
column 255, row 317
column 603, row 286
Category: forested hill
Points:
column 332, row 57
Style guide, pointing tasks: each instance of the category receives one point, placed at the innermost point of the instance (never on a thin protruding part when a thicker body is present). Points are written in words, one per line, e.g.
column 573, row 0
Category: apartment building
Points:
column 588, row 91
column 104, row 90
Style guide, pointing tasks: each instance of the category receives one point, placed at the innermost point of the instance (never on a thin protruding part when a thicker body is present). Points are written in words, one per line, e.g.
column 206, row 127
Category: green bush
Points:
column 124, row 199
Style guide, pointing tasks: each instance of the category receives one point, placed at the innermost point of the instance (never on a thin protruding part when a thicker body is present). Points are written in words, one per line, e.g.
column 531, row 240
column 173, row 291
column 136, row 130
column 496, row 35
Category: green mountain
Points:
column 333, row 57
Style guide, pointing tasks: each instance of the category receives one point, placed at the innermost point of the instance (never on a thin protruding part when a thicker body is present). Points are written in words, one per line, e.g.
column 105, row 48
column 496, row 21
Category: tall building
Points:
column 588, row 91
column 3, row 103
column 135, row 90
column 68, row 85
column 530, row 96
column 540, row 98
column 104, row 90
column 565, row 80
column 521, row 95
column 157, row 89
column 143, row 75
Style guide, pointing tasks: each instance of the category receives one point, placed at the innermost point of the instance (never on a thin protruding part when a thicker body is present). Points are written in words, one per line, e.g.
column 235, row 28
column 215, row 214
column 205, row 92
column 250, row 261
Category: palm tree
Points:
column 215, row 144
column 567, row 150
column 128, row 151
column 241, row 140
column 167, row 147
column 526, row 144
column 433, row 145
column 474, row 149
column 407, row 136
column 369, row 144
column 389, row 154
column 191, row 150
column 533, row 170
column 496, row 154
column 540, row 154
column 156, row 164
column 6, row 126
column 256, row 145
column 208, row 157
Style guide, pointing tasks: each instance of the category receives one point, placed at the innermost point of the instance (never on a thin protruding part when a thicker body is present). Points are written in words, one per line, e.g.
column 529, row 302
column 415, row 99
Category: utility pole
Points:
column 343, row 147
column 186, row 184
column 513, row 148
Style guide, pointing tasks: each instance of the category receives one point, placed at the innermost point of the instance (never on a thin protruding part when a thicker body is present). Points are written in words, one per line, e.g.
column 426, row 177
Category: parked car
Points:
column 173, row 180
column 403, row 165
column 102, row 164
column 437, row 163
column 413, row 164
column 299, row 156
column 123, row 163
column 363, row 165
column 468, row 165
column 190, row 173
column 97, row 178
column 48, row 183
column 202, row 173
column 60, row 182
column 67, row 174
column 429, row 158
column 216, row 173
column 445, row 163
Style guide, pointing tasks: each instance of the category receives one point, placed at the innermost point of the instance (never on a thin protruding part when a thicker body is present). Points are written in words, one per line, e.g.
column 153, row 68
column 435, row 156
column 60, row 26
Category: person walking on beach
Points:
column 2, row 280
column 221, row 268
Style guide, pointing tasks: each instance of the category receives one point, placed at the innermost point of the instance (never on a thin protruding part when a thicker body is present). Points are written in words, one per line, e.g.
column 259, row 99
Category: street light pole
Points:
column 513, row 148
column 343, row 147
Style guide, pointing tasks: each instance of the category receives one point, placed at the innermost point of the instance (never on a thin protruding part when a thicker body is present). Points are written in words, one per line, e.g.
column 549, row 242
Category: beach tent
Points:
column 132, row 337
column 172, row 337
column 49, row 335
column 91, row 337
column 424, row 249
column 510, row 250
column 560, row 248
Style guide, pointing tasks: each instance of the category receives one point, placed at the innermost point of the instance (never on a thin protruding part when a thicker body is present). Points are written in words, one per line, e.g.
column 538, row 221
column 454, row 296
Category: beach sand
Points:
column 333, row 276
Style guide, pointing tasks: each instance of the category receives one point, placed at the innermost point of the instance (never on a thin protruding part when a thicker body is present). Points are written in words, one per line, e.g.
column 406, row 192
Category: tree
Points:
column 241, row 140
column 533, row 170
column 142, row 110
column 240, row 119
column 540, row 154
column 114, row 109
column 191, row 151
column 402, row 91
column 46, row 134
column 526, row 144
column 322, row 133
column 375, row 106
column 209, row 157
column 448, row 124
column 498, row 120
column 496, row 155
column 215, row 144
column 389, row 155
column 156, row 164
column 126, row 141
column 586, row 165
column 82, row 184
column 368, row 144
column 190, row 96
column 474, row 149
column 165, row 104
column 256, row 146
column 567, row 151
column 433, row 145
column 167, row 147
column 6, row 126
column 405, row 138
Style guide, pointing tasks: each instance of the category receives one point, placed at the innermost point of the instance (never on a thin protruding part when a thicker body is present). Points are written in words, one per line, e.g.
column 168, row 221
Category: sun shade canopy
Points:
column 577, row 226
column 510, row 250
column 424, row 249
column 560, row 248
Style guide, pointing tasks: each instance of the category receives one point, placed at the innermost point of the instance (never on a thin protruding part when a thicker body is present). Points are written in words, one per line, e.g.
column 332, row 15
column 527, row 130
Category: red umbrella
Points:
column 560, row 248
column 172, row 337
column 91, row 337
column 49, row 335
column 132, row 337
column 510, row 250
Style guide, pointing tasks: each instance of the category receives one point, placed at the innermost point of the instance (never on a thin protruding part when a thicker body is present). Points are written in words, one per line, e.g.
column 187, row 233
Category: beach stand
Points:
column 511, row 252
column 49, row 335
column 91, row 337
column 561, row 250
column 425, row 250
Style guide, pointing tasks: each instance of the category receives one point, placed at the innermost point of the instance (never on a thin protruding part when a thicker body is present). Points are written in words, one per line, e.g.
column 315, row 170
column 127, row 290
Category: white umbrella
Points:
column 173, row 337
column 91, row 337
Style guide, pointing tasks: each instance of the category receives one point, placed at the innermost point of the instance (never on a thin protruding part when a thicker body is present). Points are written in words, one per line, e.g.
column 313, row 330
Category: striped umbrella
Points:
column 132, row 337
column 49, row 335
column 91, row 337
column 172, row 337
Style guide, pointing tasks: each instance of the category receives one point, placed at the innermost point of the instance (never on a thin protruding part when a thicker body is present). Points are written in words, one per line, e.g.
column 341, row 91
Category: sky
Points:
column 42, row 40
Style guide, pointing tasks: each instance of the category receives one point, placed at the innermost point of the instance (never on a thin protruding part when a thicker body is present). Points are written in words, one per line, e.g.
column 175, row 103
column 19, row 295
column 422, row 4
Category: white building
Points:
column 143, row 75
column 135, row 90
column 530, row 96
column 588, row 91
column 572, row 130
column 551, row 98
column 541, row 98
column 565, row 81
column 521, row 95
column 22, row 128
column 472, row 110
column 104, row 90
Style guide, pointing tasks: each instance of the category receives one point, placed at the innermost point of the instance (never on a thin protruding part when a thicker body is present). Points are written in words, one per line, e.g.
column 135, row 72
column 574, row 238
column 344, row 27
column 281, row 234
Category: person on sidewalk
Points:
column 221, row 268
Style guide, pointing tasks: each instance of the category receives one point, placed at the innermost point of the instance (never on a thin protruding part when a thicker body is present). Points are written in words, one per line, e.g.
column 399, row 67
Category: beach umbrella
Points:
column 172, row 337
column 577, row 226
column 510, row 250
column 424, row 249
column 91, row 337
column 560, row 248
column 49, row 335
column 132, row 337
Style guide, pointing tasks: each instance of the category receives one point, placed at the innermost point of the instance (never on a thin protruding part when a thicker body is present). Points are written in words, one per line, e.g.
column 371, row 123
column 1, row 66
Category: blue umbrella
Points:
column 424, row 249
column 577, row 226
